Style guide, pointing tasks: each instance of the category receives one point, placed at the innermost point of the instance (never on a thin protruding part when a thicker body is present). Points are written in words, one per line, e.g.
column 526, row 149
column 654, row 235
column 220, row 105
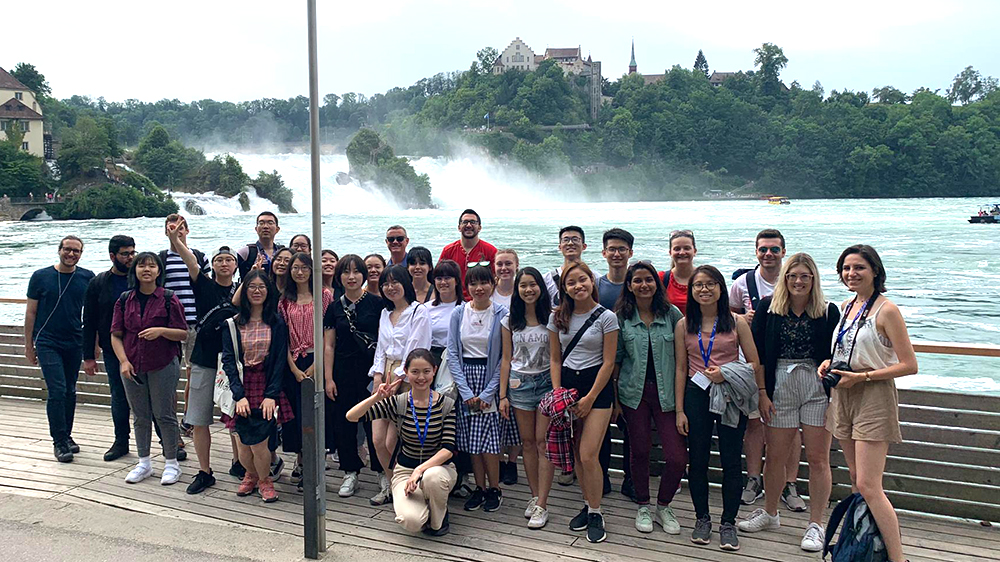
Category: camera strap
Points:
column 859, row 319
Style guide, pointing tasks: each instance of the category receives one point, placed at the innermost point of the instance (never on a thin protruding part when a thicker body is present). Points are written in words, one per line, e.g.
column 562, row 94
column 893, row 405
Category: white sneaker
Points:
column 665, row 518
column 530, row 510
column 349, row 485
column 813, row 540
column 539, row 517
column 759, row 520
column 139, row 473
column 171, row 474
column 384, row 494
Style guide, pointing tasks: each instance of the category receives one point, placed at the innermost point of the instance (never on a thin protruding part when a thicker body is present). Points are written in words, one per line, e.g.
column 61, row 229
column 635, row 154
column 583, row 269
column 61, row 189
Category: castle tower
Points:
column 631, row 64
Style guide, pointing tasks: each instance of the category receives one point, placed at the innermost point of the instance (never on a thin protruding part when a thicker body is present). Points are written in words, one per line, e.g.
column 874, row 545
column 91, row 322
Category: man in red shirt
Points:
column 469, row 250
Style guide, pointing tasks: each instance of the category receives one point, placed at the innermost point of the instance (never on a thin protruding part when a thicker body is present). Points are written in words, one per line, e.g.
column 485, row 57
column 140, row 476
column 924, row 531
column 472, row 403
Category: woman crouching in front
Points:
column 422, row 471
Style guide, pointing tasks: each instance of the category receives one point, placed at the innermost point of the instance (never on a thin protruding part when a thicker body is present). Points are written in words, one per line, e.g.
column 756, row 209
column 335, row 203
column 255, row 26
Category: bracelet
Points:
column 868, row 376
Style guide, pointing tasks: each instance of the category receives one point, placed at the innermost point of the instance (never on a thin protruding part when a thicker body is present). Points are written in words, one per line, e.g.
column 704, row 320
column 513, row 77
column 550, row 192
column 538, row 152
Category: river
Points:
column 942, row 271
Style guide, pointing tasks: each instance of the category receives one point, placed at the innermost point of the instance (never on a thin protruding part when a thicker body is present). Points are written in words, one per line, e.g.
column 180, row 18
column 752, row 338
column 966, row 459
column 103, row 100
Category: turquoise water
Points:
column 942, row 271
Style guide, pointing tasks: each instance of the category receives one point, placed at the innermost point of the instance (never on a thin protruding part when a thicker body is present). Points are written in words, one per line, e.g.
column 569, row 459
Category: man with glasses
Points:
column 572, row 243
column 53, row 338
column 747, row 291
column 98, row 310
column 259, row 253
column 469, row 250
column 396, row 240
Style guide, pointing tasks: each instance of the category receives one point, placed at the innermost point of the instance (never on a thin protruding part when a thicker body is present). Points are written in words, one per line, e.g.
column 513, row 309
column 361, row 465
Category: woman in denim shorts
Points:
column 524, row 379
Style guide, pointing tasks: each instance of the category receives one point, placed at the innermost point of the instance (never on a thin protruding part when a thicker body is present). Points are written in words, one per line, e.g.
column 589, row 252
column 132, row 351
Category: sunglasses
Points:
column 773, row 249
column 484, row 263
column 391, row 239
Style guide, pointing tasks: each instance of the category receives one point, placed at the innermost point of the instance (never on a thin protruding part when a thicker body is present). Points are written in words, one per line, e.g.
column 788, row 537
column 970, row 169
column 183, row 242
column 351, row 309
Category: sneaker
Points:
column 187, row 430
column 595, row 528
column 644, row 520
column 62, row 452
column 509, row 473
column 171, row 474
column 476, row 500
column 438, row 532
column 201, row 482
column 628, row 489
column 118, row 450
column 247, row 486
column 760, row 520
column 182, row 455
column 607, row 486
column 296, row 477
column 73, row 446
column 539, row 517
column 812, row 541
column 531, row 507
column 349, row 485
column 702, row 533
column 727, row 537
column 566, row 478
column 276, row 468
column 384, row 494
column 790, row 496
column 494, row 499
column 753, row 491
column 266, row 489
column 579, row 523
column 462, row 490
column 139, row 473
column 238, row 470
column 665, row 518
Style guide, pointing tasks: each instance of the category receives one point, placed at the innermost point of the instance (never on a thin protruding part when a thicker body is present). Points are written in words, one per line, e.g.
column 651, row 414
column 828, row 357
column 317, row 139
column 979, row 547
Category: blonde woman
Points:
column 792, row 331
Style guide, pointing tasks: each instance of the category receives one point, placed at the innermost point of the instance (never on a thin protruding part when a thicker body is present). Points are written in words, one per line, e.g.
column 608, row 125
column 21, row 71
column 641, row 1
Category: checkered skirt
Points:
column 477, row 433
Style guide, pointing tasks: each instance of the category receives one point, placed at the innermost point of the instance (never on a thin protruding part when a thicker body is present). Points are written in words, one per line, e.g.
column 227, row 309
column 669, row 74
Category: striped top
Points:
column 440, row 434
column 178, row 280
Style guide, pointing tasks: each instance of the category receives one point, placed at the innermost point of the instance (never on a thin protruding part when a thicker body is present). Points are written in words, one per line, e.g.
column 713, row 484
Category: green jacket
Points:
column 633, row 339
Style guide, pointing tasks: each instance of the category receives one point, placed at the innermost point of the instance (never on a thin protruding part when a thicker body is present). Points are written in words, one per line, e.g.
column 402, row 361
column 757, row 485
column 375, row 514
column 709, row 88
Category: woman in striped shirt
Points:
column 422, row 471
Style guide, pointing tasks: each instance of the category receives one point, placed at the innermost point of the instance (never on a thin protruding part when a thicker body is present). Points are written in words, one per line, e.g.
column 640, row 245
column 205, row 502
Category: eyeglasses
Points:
column 266, row 223
column 301, row 269
column 256, row 288
column 616, row 250
column 773, row 249
column 126, row 254
column 710, row 285
column 571, row 240
column 391, row 239
column 484, row 263
column 71, row 250
column 468, row 223
column 805, row 277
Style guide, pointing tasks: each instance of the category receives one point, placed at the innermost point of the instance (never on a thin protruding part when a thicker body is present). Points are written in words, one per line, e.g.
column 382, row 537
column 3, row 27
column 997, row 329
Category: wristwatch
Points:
column 868, row 376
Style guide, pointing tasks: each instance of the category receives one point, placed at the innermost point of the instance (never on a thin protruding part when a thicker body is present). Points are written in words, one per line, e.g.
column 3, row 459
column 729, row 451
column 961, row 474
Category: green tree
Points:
column 20, row 172
column 28, row 75
column 770, row 60
column 372, row 160
column 166, row 161
column 619, row 144
column 485, row 58
column 112, row 201
column 889, row 95
column 701, row 63
column 272, row 187
column 84, row 148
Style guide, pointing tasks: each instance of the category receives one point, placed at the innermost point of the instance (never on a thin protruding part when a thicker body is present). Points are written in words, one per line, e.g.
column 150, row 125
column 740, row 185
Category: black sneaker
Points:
column 182, row 455
column 73, row 447
column 494, row 498
column 63, row 452
column 607, row 486
column 476, row 500
column 628, row 489
column 509, row 473
column 118, row 450
column 580, row 522
column 595, row 528
column 201, row 482
column 237, row 470
column 438, row 532
column 727, row 537
column 276, row 468
column 702, row 533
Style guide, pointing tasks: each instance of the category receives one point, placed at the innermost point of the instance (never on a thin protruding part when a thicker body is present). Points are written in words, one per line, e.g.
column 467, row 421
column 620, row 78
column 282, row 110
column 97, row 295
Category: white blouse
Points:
column 412, row 331
column 441, row 322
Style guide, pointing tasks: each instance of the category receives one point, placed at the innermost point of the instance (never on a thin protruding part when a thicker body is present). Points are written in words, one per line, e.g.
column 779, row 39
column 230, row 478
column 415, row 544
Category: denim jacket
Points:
column 633, row 342
column 494, row 349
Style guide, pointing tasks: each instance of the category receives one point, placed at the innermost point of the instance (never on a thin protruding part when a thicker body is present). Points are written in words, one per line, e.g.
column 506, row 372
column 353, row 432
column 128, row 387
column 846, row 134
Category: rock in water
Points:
column 191, row 207
column 245, row 202
column 343, row 178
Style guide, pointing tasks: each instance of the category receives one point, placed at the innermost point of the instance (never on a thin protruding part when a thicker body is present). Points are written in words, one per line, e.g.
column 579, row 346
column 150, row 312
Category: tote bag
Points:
column 223, row 395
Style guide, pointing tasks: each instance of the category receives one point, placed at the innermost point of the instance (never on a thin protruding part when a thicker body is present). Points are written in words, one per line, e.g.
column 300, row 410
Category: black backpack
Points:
column 751, row 284
column 860, row 539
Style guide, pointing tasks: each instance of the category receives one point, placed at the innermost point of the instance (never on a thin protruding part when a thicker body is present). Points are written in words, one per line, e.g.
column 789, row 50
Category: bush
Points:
column 272, row 187
column 372, row 160
column 223, row 175
column 111, row 201
column 20, row 172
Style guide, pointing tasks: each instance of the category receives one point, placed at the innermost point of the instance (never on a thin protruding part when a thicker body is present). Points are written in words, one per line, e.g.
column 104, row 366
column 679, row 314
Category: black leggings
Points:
column 291, row 431
column 701, row 424
column 342, row 435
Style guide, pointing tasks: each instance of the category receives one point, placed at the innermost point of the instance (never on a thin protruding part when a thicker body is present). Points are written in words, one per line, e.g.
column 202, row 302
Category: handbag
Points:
column 444, row 382
column 223, row 394
column 365, row 342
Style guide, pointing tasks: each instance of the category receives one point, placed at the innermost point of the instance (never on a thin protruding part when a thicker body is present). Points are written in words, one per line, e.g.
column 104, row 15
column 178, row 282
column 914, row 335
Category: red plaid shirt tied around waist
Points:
column 559, row 437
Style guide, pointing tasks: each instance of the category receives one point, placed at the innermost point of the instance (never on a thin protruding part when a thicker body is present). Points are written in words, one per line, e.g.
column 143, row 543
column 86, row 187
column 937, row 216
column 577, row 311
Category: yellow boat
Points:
column 778, row 201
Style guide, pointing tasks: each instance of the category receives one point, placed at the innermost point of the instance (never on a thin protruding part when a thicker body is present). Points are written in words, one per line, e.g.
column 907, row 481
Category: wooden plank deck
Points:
column 27, row 467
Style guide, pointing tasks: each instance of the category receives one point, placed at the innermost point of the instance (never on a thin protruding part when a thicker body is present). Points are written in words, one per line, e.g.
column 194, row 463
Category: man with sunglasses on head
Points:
column 98, row 309
column 747, row 291
column 572, row 243
column 469, row 250
column 396, row 241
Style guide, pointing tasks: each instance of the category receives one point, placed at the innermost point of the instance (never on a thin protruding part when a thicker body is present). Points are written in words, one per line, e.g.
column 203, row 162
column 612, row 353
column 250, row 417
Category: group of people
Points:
column 443, row 370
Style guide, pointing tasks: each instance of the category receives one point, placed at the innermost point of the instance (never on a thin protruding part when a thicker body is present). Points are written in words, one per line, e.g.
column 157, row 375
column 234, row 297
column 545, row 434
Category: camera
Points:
column 830, row 379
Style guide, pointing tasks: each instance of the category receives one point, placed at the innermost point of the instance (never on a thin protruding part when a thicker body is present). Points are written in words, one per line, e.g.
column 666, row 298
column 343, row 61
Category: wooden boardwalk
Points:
column 27, row 467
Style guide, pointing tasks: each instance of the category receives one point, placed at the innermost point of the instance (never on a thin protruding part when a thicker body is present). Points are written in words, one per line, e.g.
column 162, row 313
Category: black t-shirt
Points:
column 208, row 343
column 650, row 367
column 143, row 298
column 208, row 294
column 119, row 284
column 367, row 312
column 60, row 299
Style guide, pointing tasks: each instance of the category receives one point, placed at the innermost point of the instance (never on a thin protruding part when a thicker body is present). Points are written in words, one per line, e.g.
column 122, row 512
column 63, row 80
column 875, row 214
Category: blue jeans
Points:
column 119, row 402
column 60, row 364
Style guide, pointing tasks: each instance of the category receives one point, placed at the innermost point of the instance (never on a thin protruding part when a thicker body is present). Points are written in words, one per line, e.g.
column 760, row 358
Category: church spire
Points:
column 631, row 64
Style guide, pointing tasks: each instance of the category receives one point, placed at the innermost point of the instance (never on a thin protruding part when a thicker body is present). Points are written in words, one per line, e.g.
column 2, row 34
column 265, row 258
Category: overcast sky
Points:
column 235, row 51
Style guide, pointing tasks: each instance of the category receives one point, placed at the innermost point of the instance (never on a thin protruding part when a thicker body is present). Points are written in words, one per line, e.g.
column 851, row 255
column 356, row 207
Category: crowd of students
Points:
column 439, row 371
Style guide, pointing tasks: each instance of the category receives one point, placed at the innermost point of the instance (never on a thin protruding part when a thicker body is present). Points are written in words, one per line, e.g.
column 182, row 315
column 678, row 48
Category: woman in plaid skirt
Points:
column 474, row 349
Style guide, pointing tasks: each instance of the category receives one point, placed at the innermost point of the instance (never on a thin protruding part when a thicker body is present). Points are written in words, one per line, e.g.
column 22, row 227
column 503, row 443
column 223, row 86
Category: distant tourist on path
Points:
column 469, row 250
column 261, row 252
column 147, row 327
column 98, row 311
column 865, row 405
column 53, row 338
column 396, row 241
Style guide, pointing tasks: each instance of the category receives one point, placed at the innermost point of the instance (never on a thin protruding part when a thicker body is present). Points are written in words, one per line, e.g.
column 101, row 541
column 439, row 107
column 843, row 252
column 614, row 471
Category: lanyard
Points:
column 267, row 260
column 842, row 331
column 706, row 355
column 421, row 435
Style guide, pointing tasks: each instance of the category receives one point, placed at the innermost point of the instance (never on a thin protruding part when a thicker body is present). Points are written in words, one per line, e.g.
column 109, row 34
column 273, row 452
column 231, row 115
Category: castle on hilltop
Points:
column 519, row 56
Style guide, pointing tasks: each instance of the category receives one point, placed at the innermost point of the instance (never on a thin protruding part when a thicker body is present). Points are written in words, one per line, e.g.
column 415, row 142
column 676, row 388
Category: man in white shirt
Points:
column 572, row 243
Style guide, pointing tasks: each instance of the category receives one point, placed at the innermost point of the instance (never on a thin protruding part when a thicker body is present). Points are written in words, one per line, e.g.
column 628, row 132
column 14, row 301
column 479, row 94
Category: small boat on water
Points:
column 778, row 201
column 988, row 214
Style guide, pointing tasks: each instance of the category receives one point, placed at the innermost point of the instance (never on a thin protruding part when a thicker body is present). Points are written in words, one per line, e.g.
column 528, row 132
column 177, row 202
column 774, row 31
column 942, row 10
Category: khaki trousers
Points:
column 427, row 504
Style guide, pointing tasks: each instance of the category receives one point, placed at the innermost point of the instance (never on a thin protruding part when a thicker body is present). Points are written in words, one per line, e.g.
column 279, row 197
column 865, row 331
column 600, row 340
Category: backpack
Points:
column 860, row 539
column 167, row 293
column 751, row 284
column 197, row 254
